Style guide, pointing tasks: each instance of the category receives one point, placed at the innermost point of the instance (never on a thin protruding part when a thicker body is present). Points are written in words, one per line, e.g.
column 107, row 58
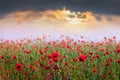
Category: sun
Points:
column 72, row 17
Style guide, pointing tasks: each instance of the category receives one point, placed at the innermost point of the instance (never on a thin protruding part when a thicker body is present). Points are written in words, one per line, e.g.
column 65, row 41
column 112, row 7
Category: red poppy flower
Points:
column 36, row 76
column 91, row 53
column 82, row 58
column 118, row 50
column 27, row 51
column 49, row 55
column 55, row 59
column 75, row 59
column 95, row 70
column 47, row 67
column 118, row 61
column 108, row 64
column 55, row 55
column 42, row 58
column 25, row 72
column 19, row 66
column 97, row 56
column 40, row 51
column 2, row 57
column 66, row 64
column 51, row 62
column 15, row 57
column 4, row 77
column 106, row 53
column 109, row 72
column 110, row 59
column 101, row 49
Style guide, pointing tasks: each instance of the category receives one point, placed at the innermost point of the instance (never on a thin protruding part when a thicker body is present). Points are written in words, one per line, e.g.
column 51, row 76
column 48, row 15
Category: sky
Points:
column 93, row 19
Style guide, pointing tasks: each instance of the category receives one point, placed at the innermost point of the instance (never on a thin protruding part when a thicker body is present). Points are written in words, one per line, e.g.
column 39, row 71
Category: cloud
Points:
column 62, row 16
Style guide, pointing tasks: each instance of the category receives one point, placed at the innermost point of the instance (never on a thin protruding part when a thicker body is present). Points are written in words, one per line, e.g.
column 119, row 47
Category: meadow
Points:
column 65, row 59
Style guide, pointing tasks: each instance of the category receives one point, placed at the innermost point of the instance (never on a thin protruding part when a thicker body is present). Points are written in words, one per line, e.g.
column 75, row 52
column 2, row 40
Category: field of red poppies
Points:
column 65, row 59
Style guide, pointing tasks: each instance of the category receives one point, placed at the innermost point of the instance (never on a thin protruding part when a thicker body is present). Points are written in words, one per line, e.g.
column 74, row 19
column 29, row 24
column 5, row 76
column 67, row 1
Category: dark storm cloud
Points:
column 111, row 7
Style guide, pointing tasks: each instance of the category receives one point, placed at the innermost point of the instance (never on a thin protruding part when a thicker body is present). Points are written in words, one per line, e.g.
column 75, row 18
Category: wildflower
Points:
column 68, row 47
column 55, row 55
column 91, row 53
column 109, row 72
column 75, row 59
column 110, row 59
column 27, row 51
column 4, row 77
column 97, row 56
column 118, row 61
column 95, row 70
column 49, row 55
column 42, row 58
column 25, row 72
column 36, row 76
column 40, row 51
column 31, row 67
column 106, row 53
column 55, row 59
column 66, row 64
column 82, row 58
column 51, row 62
column 19, row 66
column 45, row 49
column 47, row 67
column 2, row 57
column 118, row 50
column 108, row 64
column 101, row 49
column 15, row 57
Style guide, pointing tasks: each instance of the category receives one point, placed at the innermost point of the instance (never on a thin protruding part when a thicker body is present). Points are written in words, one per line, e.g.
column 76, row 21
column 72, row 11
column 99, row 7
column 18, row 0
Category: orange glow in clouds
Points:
column 65, row 16
column 62, row 16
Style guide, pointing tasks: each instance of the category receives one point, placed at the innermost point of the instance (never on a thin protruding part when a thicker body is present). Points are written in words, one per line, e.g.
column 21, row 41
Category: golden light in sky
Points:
column 59, row 15
column 72, row 17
